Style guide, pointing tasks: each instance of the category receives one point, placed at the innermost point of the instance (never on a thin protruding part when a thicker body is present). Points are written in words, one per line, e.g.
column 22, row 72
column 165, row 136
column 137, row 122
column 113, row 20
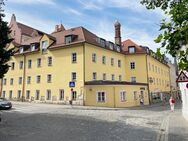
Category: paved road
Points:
column 46, row 122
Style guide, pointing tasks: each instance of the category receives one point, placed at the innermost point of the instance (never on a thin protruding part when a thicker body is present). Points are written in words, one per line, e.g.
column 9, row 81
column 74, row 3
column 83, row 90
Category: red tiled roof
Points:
column 32, row 40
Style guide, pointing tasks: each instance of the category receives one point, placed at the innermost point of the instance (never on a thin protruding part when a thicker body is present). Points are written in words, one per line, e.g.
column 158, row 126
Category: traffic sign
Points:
column 71, row 84
column 182, row 77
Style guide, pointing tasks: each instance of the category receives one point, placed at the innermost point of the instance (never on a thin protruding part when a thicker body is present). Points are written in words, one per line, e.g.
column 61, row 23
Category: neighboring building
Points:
column 43, row 66
column 174, row 89
column 144, row 66
column 21, row 32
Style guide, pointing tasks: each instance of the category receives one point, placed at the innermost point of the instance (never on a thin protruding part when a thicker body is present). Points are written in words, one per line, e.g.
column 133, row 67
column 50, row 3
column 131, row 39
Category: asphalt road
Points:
column 32, row 122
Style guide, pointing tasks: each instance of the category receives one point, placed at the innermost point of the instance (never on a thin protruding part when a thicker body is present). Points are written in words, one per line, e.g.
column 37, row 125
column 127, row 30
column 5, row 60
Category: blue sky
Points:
column 98, row 16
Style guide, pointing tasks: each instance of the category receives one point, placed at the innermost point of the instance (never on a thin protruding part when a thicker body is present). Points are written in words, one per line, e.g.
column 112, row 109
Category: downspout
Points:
column 148, row 80
column 1, row 80
column 24, row 72
column 83, row 73
column 114, row 98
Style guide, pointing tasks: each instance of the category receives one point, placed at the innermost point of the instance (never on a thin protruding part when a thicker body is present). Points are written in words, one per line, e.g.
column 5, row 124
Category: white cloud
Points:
column 37, row 2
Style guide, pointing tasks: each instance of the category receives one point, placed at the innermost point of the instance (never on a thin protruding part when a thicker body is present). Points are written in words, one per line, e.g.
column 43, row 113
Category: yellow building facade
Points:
column 76, row 66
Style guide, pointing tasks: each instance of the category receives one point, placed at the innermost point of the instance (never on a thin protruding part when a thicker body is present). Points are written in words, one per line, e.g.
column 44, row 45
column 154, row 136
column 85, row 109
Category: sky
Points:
column 98, row 16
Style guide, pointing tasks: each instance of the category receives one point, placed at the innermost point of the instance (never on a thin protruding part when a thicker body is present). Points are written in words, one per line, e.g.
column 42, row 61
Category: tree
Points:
column 5, row 53
column 174, row 34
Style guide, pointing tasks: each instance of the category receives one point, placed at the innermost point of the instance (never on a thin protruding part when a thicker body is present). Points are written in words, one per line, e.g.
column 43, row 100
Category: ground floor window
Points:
column 4, row 94
column 74, row 95
column 10, row 94
column 19, row 94
column 61, row 94
column 123, row 96
column 135, row 95
column 48, row 95
column 27, row 94
column 101, row 97
column 37, row 95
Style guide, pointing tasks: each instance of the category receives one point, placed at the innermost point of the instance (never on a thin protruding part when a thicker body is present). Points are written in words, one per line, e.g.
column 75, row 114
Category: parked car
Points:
column 5, row 104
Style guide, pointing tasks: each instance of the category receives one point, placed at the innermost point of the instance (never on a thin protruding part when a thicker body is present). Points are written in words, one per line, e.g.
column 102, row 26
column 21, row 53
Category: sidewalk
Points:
column 178, row 127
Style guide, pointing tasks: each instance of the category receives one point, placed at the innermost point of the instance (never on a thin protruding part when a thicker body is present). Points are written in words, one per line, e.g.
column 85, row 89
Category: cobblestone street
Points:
column 47, row 122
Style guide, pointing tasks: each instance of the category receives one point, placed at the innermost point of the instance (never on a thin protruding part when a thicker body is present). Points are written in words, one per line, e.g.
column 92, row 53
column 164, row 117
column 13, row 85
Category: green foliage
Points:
column 5, row 54
column 175, row 30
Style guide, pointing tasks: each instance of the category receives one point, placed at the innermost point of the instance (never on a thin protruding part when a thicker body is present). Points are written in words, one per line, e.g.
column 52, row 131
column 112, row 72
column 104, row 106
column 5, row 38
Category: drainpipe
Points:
column 23, row 83
column 149, row 96
column 83, row 73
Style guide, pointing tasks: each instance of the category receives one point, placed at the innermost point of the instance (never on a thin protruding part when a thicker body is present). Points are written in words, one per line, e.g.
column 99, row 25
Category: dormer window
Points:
column 68, row 39
column 131, row 49
column 118, row 48
column 111, row 46
column 21, row 50
column 33, row 47
column 44, row 45
column 102, row 42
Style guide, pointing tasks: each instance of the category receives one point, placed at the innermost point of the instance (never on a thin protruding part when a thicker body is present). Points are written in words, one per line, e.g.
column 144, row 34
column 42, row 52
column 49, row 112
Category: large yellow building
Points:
column 76, row 65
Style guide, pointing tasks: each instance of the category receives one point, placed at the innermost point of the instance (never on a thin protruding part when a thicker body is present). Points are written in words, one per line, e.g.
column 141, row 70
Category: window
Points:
column 29, row 63
column 157, row 81
column 120, row 78
column 49, row 61
column 48, row 95
column 94, row 76
column 12, row 66
column 132, row 65
column 20, row 80
column 131, row 49
column 153, row 68
column 73, row 76
column 112, row 61
column 4, row 94
column 29, row 80
column 94, row 57
column 104, row 59
column 101, row 97
column 38, row 62
column 37, row 95
column 156, row 69
column 68, row 39
column 135, row 95
column 19, row 94
column 61, row 94
column 111, row 46
column 28, row 94
column 33, row 47
column 44, row 46
column 4, row 81
column 153, row 80
column 74, row 57
column 104, row 76
column 11, row 81
column 10, row 94
column 113, row 77
column 119, row 63
column 149, row 66
column 102, row 42
column 21, row 49
column 159, row 70
column 133, row 79
column 21, row 65
column 38, row 79
column 49, row 78
column 74, row 95
column 123, row 96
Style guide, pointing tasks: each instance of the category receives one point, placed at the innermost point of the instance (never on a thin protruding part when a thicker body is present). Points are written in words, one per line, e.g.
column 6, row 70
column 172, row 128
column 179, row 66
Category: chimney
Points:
column 13, row 18
column 59, row 28
column 117, row 26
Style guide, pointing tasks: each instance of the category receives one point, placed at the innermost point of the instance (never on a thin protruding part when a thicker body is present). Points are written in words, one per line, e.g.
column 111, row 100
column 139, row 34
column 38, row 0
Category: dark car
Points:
column 5, row 104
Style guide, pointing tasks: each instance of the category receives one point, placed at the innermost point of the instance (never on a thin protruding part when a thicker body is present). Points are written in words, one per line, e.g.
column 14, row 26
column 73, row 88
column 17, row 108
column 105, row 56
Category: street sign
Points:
column 182, row 77
column 71, row 84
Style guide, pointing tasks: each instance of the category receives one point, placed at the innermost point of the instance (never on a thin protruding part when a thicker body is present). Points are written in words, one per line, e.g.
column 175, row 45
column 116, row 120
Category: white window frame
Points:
column 38, row 62
column 123, row 96
column 132, row 65
column 112, row 61
column 29, row 64
column 38, row 79
column 97, row 97
column 133, row 79
column 20, row 80
column 28, row 94
column 21, row 49
column 104, row 60
column 113, row 77
column 73, row 76
column 28, row 79
column 49, row 78
column 74, row 57
column 94, row 76
column 94, row 57
column 33, row 47
column 49, row 61
column 119, row 63
column 104, row 76
column 37, row 95
column 61, row 94
column 132, row 49
column 21, row 65
column 11, row 81
column 48, row 94
column 74, row 95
